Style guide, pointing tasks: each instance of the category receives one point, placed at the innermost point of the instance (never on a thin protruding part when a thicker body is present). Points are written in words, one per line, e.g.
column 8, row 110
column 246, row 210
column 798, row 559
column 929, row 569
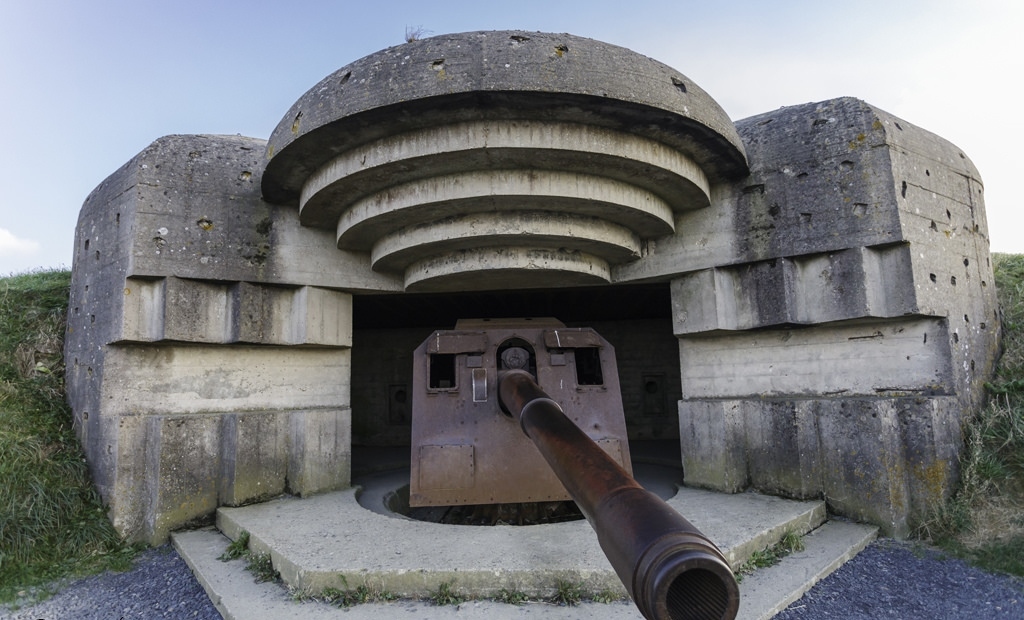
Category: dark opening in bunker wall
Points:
column 635, row 319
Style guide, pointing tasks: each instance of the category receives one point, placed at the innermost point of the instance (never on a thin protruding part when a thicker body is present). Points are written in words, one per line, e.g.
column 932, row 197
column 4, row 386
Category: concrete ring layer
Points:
column 498, row 74
column 506, row 267
column 430, row 199
column 497, row 144
column 611, row 242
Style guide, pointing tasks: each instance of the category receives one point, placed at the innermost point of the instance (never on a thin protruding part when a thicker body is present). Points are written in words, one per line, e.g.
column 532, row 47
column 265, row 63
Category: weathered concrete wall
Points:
column 828, row 348
column 208, row 364
column 833, row 314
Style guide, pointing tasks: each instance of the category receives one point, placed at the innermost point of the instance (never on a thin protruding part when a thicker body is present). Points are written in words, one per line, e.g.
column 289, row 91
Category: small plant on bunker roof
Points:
column 415, row 33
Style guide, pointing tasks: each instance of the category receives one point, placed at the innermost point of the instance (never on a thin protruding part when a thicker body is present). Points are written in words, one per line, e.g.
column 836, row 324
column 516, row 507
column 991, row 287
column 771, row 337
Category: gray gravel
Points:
column 159, row 585
column 899, row 580
column 886, row 580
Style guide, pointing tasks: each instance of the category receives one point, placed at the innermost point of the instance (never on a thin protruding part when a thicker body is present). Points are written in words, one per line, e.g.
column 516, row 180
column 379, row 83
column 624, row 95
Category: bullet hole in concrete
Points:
column 110, row 449
column 87, row 288
column 92, row 318
column 846, row 164
column 774, row 210
column 97, row 254
column 983, row 325
column 952, row 280
column 297, row 122
column 679, row 84
column 949, row 215
column 903, row 190
column 860, row 209
column 934, row 226
column 819, row 121
column 561, row 49
column 966, row 320
column 345, row 78
column 927, row 173
column 956, row 337
column 76, row 309
column 931, row 276
column 86, row 245
column 245, row 175
column 925, row 338
column 805, row 218
column 898, row 126
column 518, row 38
column 159, row 241
column 117, row 219
column 264, row 226
column 88, row 369
column 85, row 416
column 801, row 175
column 962, row 156
column 966, row 262
column 193, row 155
column 750, row 189
column 437, row 65
column 204, row 223
column 975, row 228
column 972, row 365
column 984, row 284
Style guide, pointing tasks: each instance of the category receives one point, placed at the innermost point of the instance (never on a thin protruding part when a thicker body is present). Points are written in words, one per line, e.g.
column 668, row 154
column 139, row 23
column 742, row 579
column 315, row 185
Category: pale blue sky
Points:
column 84, row 86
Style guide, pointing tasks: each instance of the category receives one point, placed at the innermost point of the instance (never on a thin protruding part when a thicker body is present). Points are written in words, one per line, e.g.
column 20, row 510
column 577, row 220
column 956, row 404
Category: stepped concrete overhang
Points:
column 541, row 159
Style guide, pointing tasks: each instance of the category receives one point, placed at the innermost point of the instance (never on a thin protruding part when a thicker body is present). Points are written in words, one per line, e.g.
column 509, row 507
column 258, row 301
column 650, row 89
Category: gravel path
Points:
column 886, row 580
column 898, row 580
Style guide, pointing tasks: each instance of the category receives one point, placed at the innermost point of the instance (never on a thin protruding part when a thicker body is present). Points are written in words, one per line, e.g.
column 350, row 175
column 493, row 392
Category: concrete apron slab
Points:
column 763, row 594
column 331, row 541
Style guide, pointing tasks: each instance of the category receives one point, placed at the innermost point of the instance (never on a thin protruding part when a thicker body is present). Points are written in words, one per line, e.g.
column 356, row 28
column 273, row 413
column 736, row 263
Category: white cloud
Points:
column 10, row 245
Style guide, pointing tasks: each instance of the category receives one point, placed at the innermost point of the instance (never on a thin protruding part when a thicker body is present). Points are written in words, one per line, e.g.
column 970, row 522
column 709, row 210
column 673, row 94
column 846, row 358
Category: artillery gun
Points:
column 528, row 410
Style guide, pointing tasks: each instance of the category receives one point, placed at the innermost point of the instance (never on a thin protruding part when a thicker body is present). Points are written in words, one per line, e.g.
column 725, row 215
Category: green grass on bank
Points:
column 984, row 521
column 52, row 523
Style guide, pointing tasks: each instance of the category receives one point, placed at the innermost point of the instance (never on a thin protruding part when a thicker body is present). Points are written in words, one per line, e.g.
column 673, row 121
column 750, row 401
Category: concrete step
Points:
column 333, row 541
column 770, row 590
column 763, row 594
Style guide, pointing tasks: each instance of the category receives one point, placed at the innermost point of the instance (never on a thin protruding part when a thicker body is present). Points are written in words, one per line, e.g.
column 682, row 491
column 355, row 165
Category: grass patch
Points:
column 567, row 593
column 608, row 596
column 52, row 522
column 511, row 597
column 238, row 548
column 791, row 542
column 446, row 594
column 261, row 566
column 983, row 522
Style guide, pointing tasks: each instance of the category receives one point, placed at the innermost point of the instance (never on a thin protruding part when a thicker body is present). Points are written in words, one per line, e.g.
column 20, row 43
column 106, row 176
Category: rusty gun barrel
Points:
column 670, row 569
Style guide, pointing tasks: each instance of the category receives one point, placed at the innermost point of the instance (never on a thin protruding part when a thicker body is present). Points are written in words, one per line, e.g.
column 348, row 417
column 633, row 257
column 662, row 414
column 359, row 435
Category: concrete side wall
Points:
column 834, row 331
column 209, row 364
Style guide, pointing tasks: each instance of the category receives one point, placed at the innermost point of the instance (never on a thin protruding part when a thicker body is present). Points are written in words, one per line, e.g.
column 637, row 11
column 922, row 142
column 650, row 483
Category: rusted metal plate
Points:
column 571, row 338
column 451, row 342
column 462, row 411
column 444, row 468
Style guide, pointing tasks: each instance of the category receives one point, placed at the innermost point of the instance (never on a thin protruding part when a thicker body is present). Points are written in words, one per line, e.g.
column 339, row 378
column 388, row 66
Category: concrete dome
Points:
column 459, row 155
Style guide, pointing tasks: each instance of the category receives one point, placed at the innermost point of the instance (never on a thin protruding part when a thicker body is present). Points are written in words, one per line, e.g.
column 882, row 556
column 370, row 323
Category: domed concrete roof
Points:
column 461, row 155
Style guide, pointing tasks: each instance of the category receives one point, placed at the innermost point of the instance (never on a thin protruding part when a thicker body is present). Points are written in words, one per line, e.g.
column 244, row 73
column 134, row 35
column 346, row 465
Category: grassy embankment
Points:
column 984, row 521
column 52, row 523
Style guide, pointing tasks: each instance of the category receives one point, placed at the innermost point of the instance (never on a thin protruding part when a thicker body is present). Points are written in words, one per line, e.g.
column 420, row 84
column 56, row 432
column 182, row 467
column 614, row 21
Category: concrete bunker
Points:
column 803, row 298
